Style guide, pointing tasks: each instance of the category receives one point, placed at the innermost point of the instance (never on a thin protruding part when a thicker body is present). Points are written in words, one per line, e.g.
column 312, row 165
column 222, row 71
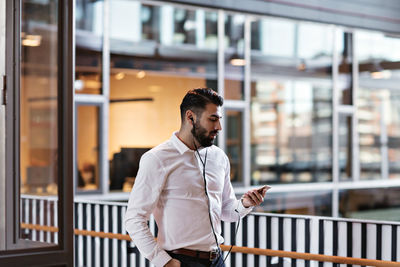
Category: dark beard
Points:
column 200, row 134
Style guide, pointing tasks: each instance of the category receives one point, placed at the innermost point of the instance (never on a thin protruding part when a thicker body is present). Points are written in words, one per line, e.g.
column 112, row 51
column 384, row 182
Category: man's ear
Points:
column 190, row 116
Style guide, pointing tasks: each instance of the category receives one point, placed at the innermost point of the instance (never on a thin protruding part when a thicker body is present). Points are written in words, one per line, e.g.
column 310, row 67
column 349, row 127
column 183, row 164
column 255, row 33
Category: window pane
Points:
column 370, row 204
column 378, row 104
column 291, row 104
column 88, row 147
column 39, row 119
column 89, row 45
column 234, row 143
column 134, row 27
column 234, row 57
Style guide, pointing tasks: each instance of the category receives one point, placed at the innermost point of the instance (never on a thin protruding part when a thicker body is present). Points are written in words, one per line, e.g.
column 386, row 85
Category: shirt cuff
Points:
column 242, row 210
column 161, row 259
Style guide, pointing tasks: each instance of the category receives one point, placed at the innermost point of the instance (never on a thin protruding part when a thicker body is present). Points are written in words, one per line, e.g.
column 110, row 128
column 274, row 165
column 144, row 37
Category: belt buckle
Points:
column 213, row 255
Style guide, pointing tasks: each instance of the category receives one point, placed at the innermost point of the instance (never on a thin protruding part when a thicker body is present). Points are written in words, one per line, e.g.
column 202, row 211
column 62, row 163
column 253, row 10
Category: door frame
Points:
column 19, row 252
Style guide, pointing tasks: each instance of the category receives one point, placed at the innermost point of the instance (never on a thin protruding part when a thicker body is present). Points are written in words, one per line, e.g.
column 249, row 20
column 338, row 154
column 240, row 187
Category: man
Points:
column 185, row 183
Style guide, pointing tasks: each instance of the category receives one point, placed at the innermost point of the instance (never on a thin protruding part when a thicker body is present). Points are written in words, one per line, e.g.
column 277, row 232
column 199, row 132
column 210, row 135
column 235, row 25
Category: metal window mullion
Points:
column 335, row 127
column 90, row 99
column 354, row 121
column 383, row 143
column 103, row 123
column 201, row 27
column 247, row 94
column 221, row 73
column 234, row 104
column 2, row 128
column 166, row 25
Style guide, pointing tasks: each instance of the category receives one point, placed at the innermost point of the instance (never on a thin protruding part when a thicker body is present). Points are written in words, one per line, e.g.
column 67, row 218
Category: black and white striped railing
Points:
column 310, row 234
column 39, row 210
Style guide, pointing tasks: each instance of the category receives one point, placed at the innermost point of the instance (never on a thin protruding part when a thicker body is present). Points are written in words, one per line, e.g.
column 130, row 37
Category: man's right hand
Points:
column 173, row 263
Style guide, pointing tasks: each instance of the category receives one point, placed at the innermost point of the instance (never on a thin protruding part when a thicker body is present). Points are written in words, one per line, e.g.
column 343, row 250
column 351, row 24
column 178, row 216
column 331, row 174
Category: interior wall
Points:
column 144, row 124
column 87, row 137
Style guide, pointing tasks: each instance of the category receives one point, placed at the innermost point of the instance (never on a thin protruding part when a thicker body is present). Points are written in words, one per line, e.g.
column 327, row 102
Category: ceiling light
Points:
column 79, row 85
column 141, row 74
column 238, row 62
column 119, row 76
column 32, row 40
column 384, row 74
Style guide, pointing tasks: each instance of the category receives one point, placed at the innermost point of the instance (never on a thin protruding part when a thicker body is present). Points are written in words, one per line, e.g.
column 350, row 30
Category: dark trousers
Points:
column 187, row 261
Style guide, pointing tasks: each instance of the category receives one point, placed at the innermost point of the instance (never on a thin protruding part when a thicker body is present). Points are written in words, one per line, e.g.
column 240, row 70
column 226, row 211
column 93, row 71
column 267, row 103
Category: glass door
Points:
column 38, row 137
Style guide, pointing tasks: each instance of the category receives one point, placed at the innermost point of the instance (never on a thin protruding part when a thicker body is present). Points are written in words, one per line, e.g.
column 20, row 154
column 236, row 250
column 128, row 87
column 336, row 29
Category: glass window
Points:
column 89, row 45
column 134, row 27
column 146, row 91
column 370, row 204
column 38, row 139
column 317, row 203
column 234, row 57
column 184, row 26
column 273, row 37
column 150, row 20
column 234, row 143
column 291, row 107
column 87, row 155
column 378, row 104
column 369, row 107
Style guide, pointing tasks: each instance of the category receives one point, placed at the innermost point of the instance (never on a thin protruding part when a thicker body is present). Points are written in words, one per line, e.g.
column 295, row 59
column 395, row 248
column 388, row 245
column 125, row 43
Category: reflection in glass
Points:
column 234, row 143
column 150, row 19
column 369, row 108
column 39, row 117
column 291, row 132
column 370, row 204
column 87, row 147
column 318, row 203
column 291, row 104
column 134, row 27
column 184, row 26
column 89, row 44
column 89, row 16
column 234, row 57
column 273, row 37
column 378, row 104
column 392, row 118
column 345, row 151
column 88, row 72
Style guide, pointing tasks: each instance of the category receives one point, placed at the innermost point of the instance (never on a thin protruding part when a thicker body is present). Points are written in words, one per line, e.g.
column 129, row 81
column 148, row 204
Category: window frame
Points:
column 17, row 249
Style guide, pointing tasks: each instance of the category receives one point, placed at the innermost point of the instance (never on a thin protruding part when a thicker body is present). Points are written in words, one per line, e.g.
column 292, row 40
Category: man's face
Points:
column 207, row 125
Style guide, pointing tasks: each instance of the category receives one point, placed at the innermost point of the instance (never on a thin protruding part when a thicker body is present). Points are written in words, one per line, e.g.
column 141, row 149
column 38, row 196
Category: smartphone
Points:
column 262, row 188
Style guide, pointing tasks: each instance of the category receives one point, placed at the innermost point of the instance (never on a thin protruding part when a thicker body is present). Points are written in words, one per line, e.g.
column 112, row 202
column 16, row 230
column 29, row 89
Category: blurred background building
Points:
column 312, row 105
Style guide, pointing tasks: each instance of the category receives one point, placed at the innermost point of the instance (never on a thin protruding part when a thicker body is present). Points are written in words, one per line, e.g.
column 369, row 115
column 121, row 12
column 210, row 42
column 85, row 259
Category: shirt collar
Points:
column 179, row 145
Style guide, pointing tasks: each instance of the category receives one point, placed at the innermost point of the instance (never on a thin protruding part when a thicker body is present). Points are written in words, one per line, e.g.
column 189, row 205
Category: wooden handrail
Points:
column 245, row 250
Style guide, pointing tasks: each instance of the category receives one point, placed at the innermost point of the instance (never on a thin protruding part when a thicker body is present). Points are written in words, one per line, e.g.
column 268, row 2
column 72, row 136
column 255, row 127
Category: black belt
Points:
column 211, row 255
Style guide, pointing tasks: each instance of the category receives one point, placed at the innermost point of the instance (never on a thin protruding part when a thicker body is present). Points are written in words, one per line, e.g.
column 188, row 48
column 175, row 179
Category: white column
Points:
column 166, row 25
column 200, row 28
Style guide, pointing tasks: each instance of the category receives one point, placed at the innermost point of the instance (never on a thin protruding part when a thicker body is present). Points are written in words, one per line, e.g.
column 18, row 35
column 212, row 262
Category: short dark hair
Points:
column 197, row 99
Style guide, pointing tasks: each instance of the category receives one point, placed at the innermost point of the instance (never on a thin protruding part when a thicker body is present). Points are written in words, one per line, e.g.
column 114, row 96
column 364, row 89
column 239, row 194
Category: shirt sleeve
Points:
column 232, row 208
column 142, row 200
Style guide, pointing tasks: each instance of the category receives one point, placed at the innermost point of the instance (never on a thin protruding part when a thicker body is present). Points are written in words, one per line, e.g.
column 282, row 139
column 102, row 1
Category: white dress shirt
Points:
column 170, row 185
